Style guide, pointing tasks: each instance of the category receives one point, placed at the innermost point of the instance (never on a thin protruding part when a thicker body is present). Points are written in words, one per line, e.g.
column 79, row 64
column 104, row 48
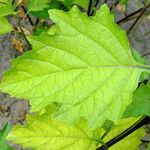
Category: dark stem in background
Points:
column 96, row 3
column 89, row 8
column 130, row 15
column 105, row 1
column 2, row 3
column 27, row 15
column 128, row 19
column 134, row 127
column 146, row 54
column 18, row 22
column 114, row 4
column 140, row 15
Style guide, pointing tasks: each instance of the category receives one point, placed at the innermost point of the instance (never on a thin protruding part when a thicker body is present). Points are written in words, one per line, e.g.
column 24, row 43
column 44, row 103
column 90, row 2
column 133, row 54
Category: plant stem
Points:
column 130, row 15
column 140, row 15
column 134, row 127
column 105, row 1
column 146, row 54
column 27, row 15
column 89, row 8
column 97, row 2
column 114, row 4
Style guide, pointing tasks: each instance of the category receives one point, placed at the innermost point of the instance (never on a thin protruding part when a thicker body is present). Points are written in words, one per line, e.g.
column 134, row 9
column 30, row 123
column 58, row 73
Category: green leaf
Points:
column 3, row 133
column 131, row 142
column 107, row 126
column 43, row 133
column 40, row 29
column 42, row 10
column 86, row 67
column 4, row 26
column 141, row 60
column 6, row 8
column 148, row 147
column 137, row 56
column 123, row 2
column 82, row 3
column 37, row 5
column 140, row 105
column 68, row 2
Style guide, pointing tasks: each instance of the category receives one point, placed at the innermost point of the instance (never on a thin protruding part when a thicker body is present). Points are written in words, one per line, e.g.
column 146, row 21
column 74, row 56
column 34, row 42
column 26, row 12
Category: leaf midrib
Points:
column 141, row 68
column 71, row 137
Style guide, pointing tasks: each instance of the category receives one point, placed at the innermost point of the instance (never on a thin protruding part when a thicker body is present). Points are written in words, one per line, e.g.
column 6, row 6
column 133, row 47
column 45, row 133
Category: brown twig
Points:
column 140, row 15
column 22, row 32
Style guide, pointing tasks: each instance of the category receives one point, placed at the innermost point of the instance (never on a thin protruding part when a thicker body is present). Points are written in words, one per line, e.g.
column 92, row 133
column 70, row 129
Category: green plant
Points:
column 5, row 9
column 3, row 133
column 81, row 79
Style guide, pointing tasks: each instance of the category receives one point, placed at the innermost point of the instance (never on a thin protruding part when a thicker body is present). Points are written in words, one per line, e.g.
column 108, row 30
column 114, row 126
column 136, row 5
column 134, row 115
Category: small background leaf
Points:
column 140, row 106
column 3, row 133
column 6, row 8
column 37, row 5
column 5, row 26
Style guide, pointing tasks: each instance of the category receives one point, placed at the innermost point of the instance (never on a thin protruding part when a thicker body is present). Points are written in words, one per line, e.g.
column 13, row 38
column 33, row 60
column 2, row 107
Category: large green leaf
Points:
column 3, row 133
column 86, row 67
column 4, row 26
column 131, row 142
column 43, row 133
column 140, row 105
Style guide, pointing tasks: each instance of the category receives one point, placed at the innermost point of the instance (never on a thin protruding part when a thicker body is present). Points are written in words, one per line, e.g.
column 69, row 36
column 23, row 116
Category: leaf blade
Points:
column 78, row 69
column 59, row 135
column 140, row 104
